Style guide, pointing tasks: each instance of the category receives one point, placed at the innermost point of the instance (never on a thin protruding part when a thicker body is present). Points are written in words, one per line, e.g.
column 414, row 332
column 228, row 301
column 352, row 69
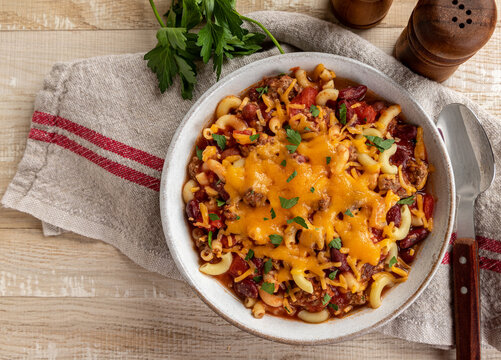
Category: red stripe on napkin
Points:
column 112, row 167
column 100, row 140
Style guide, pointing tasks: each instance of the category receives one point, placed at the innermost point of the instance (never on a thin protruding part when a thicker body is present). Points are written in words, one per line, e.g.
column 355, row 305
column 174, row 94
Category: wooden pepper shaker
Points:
column 443, row 34
column 360, row 14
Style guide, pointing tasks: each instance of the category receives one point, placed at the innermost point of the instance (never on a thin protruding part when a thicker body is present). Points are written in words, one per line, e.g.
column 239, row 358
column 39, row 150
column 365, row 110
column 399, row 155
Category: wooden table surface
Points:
column 72, row 297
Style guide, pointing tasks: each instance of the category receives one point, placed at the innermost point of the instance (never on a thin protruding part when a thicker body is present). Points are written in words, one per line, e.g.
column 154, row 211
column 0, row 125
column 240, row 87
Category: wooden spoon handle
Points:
column 466, row 299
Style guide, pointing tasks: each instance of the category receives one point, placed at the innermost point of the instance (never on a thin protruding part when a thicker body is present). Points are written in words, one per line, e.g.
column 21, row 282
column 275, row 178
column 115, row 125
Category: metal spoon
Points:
column 473, row 166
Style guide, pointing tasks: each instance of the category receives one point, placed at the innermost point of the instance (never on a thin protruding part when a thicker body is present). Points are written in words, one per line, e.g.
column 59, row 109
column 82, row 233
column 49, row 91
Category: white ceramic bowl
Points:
column 222, row 300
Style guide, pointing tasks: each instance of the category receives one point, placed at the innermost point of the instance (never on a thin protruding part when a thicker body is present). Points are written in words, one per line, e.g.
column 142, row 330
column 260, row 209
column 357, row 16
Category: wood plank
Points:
column 174, row 328
column 125, row 14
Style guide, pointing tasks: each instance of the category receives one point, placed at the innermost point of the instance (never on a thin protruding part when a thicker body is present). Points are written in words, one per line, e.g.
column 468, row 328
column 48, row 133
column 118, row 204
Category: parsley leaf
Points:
column 272, row 212
column 250, row 254
column 312, row 189
column 291, row 148
column 314, row 111
column 276, row 239
column 257, row 279
column 326, row 299
column 335, row 243
column 238, row 217
column 293, row 175
column 298, row 220
column 209, row 239
column 349, row 213
column 199, row 153
column 332, row 275
column 283, row 163
column 379, row 143
column 334, row 306
column 293, row 136
column 220, row 140
column 180, row 47
column 254, row 137
column 262, row 90
column 288, row 203
column 265, row 219
column 406, row 201
column 220, row 202
column 268, row 287
column 306, row 128
column 214, row 217
column 342, row 113
column 328, row 160
column 267, row 266
column 392, row 262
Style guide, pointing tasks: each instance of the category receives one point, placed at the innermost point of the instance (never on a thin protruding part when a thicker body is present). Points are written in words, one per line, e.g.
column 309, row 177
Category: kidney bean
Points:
column 378, row 235
column 379, row 106
column 415, row 236
column 193, row 210
column 246, row 288
column 249, row 112
column 201, row 195
column 337, row 256
column 331, row 104
column 394, row 215
column 230, row 152
column 405, row 151
column 405, row 132
column 259, row 264
column 405, row 255
column 353, row 93
column 428, row 205
column 263, row 107
column 219, row 187
column 238, row 266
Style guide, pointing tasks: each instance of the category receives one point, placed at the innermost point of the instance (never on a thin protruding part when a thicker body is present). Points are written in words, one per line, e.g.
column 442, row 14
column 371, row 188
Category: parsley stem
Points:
column 264, row 29
column 157, row 15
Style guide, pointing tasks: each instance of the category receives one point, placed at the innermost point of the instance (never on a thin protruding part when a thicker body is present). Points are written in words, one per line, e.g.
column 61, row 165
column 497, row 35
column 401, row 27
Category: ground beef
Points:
column 312, row 302
column 324, row 202
column 275, row 83
column 254, row 199
column 228, row 213
column 416, row 172
column 353, row 153
column 300, row 158
column 194, row 167
column 245, row 149
column 387, row 183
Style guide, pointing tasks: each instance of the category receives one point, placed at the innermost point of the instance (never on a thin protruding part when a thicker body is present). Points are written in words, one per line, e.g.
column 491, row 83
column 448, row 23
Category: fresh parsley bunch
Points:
column 179, row 47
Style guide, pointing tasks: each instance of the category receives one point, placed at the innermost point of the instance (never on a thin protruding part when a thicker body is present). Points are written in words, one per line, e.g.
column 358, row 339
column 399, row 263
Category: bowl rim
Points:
column 178, row 261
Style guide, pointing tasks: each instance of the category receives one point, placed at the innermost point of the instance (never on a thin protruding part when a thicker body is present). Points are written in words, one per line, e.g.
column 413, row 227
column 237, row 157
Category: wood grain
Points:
column 71, row 297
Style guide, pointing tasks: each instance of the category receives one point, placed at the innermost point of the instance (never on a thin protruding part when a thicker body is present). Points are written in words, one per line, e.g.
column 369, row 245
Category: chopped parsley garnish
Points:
column 392, row 262
column 349, row 213
column 294, row 138
column 380, row 143
column 254, row 137
column 306, row 128
column 262, row 90
column 265, row 219
column 334, row 306
column 199, row 153
column 250, row 254
column 314, row 111
column 276, row 239
column 293, row 175
column 328, row 160
column 257, row 279
column 209, row 239
column 335, row 243
column 272, row 212
column 332, row 275
column 220, row 202
column 298, row 220
column 406, row 201
column 218, row 182
column 268, row 287
column 312, row 189
column 238, row 217
column 267, row 266
column 283, row 163
column 288, row 203
column 220, row 140
column 326, row 299
column 342, row 114
column 214, row 217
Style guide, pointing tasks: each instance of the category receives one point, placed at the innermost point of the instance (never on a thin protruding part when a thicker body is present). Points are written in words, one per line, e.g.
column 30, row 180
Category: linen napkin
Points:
column 101, row 129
